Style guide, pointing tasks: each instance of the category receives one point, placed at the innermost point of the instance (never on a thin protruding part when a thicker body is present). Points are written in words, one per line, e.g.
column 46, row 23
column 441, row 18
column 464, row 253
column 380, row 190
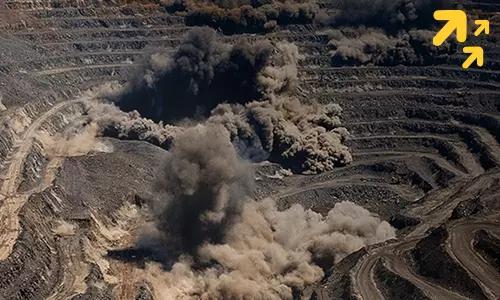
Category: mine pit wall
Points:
column 442, row 176
column 60, row 120
column 33, row 166
column 33, row 268
column 488, row 246
column 39, row 38
column 489, row 122
column 32, row 5
column 7, row 138
column 96, row 42
column 430, row 259
column 45, row 261
column 48, row 262
column 470, row 138
column 393, row 286
column 79, row 60
column 14, row 125
column 36, row 162
column 36, row 159
column 160, row 19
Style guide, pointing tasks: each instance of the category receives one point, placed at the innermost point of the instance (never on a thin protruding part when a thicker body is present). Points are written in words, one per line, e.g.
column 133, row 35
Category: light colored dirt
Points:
column 459, row 246
column 11, row 200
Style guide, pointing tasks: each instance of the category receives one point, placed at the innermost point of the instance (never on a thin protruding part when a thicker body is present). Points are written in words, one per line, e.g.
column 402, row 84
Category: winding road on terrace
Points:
column 11, row 201
column 459, row 246
column 424, row 138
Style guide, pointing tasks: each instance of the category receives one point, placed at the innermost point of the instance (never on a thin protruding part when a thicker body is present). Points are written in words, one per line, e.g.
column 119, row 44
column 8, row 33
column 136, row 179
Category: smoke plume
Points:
column 390, row 15
column 244, row 16
column 196, row 77
column 386, row 32
column 113, row 122
column 77, row 141
column 361, row 46
column 264, row 120
column 304, row 138
column 205, row 182
column 239, row 248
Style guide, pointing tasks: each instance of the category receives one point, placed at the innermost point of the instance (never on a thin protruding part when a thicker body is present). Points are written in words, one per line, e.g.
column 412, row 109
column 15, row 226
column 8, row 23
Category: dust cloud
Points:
column 390, row 15
column 244, row 15
column 233, row 247
column 361, row 46
column 386, row 32
column 193, row 80
column 264, row 119
column 113, row 122
column 76, row 142
column 205, row 182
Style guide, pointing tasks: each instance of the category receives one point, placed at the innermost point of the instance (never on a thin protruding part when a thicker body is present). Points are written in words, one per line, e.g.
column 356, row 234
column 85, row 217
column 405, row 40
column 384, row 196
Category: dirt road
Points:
column 459, row 246
column 11, row 201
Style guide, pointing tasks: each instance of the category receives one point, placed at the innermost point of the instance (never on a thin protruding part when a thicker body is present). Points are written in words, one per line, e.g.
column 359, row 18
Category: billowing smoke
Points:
column 307, row 138
column 239, row 248
column 113, row 122
column 390, row 15
column 304, row 138
column 244, row 15
column 77, row 141
column 264, row 120
column 361, row 46
column 196, row 77
column 386, row 32
column 103, row 119
column 205, row 182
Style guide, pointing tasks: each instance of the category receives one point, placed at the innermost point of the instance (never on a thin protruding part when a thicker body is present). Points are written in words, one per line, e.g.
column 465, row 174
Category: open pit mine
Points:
column 247, row 149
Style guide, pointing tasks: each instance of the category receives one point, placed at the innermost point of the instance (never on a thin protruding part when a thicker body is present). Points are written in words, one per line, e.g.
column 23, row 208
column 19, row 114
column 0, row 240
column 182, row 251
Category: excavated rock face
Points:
column 396, row 287
column 401, row 221
column 423, row 137
column 467, row 208
column 432, row 260
column 488, row 246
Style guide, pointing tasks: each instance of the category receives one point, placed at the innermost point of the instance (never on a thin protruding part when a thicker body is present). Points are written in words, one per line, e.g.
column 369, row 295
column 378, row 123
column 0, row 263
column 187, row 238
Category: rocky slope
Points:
column 425, row 141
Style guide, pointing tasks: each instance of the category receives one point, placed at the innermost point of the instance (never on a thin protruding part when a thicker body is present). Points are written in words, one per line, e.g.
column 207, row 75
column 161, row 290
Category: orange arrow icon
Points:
column 476, row 55
column 484, row 25
column 457, row 22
